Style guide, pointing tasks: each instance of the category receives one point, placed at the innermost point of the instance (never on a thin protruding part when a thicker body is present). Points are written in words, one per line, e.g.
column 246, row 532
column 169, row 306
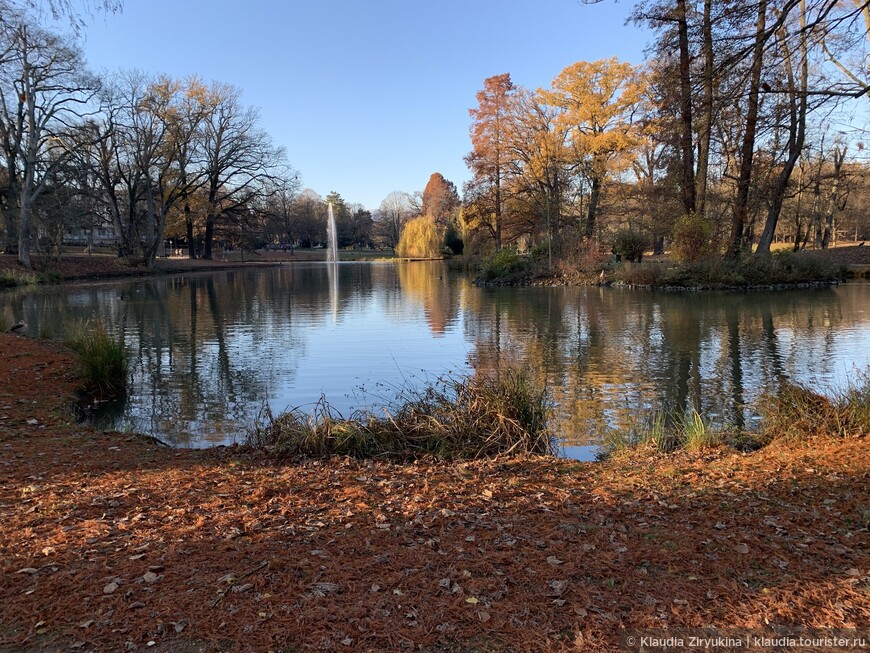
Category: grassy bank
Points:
column 782, row 268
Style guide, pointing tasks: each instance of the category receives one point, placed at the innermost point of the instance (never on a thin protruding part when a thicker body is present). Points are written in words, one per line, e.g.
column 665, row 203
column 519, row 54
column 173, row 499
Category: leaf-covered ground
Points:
column 111, row 543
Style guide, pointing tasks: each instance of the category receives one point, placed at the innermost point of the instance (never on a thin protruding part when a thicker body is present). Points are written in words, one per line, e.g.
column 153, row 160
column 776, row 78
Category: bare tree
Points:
column 43, row 97
column 395, row 210
column 239, row 157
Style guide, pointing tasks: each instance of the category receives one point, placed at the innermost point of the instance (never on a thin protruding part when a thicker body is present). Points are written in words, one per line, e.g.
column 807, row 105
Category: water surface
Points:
column 211, row 350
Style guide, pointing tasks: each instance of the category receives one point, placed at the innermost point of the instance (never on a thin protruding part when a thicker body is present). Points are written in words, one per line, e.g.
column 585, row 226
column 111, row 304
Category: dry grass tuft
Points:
column 473, row 417
column 797, row 412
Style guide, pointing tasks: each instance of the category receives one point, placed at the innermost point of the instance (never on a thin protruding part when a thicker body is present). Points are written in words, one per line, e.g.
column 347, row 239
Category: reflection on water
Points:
column 209, row 351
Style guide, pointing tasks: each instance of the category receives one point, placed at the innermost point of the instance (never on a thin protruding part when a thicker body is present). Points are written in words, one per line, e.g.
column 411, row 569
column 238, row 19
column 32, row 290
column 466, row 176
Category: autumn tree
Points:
column 420, row 239
column 596, row 103
column 440, row 199
column 488, row 160
column 540, row 176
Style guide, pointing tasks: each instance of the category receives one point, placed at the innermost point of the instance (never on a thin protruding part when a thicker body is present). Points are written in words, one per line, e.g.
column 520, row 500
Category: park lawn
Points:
column 111, row 542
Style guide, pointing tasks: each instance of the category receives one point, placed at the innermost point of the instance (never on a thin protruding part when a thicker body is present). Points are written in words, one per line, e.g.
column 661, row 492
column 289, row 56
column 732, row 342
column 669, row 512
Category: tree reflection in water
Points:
column 209, row 350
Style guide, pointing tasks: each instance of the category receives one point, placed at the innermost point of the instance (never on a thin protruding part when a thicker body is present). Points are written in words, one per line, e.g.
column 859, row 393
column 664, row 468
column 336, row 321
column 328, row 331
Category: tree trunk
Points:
column 796, row 135
column 24, row 232
column 497, row 230
column 705, row 126
column 744, row 177
column 687, row 150
column 188, row 220
column 11, row 245
column 209, row 236
column 833, row 198
column 591, row 214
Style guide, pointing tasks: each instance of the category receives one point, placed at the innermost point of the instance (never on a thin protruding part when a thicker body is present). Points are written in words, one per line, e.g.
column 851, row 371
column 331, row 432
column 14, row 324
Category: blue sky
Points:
column 371, row 96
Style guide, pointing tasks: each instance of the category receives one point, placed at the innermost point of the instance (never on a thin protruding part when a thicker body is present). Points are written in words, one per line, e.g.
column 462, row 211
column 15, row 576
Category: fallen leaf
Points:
column 110, row 588
column 741, row 548
column 553, row 560
column 27, row 570
column 471, row 600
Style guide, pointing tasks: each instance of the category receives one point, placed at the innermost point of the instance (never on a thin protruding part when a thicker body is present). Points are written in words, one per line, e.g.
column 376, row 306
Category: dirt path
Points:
column 110, row 543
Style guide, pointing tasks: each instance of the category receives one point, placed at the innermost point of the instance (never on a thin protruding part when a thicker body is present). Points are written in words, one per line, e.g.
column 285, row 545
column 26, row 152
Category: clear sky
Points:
column 367, row 96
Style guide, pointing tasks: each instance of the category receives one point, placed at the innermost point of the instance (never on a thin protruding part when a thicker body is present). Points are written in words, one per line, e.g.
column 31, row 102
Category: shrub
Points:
column 629, row 245
column 102, row 360
column 504, row 263
column 419, row 239
column 691, row 238
column 472, row 417
column 49, row 276
column 641, row 274
column 453, row 241
column 579, row 259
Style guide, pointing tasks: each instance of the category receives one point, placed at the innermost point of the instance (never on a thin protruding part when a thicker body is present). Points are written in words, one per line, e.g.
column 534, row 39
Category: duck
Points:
column 16, row 328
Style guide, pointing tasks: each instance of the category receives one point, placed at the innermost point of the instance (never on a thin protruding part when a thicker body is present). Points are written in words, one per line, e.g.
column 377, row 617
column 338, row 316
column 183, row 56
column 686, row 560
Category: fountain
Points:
column 331, row 237
column 332, row 261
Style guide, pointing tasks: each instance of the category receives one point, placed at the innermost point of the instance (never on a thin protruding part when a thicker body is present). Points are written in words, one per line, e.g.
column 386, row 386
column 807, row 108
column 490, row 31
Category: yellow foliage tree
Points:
column 420, row 239
column 596, row 103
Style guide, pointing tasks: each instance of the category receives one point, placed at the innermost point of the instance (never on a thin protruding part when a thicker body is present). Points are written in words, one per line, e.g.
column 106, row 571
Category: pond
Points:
column 211, row 350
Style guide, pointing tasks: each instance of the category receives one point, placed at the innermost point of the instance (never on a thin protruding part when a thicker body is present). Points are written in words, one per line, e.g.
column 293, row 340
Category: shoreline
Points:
column 110, row 539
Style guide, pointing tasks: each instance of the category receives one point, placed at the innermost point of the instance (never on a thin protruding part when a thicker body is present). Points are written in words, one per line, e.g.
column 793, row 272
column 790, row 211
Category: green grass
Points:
column 478, row 416
column 667, row 433
column 102, row 359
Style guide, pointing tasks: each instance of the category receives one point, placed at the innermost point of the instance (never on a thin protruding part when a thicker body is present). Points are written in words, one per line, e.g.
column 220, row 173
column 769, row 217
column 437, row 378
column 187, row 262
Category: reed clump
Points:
column 11, row 278
column 102, row 359
column 667, row 433
column 796, row 412
column 472, row 417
